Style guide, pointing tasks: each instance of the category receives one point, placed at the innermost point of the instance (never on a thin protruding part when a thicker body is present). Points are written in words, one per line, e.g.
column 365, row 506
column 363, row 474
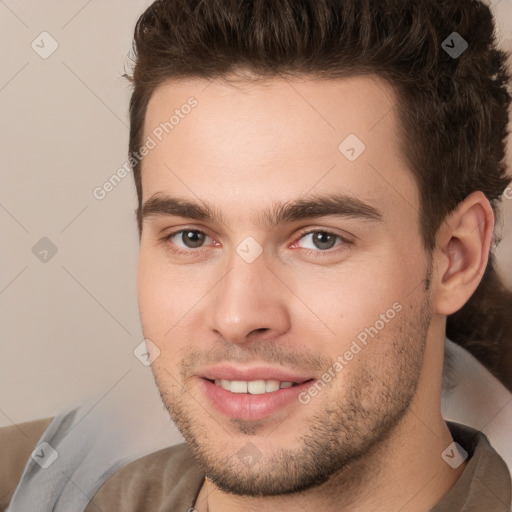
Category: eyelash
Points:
column 316, row 253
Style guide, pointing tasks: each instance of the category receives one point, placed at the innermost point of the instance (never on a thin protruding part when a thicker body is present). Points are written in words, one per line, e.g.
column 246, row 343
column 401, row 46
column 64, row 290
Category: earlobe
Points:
column 462, row 252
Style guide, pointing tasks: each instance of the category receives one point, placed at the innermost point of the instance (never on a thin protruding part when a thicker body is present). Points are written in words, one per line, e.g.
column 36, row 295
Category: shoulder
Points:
column 485, row 483
column 16, row 445
column 163, row 480
column 472, row 396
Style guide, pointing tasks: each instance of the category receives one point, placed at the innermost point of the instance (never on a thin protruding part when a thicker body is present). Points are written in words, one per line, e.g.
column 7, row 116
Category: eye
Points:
column 187, row 239
column 322, row 240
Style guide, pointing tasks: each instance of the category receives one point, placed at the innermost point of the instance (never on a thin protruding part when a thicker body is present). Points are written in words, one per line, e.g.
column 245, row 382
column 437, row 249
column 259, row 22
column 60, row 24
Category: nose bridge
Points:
column 247, row 298
column 243, row 287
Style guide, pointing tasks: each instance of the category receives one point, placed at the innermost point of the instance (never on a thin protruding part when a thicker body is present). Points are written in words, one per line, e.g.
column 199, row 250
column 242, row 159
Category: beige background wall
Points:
column 69, row 325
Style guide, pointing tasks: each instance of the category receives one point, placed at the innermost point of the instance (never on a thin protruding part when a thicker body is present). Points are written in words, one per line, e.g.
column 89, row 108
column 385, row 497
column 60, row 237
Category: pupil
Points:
column 323, row 240
column 193, row 238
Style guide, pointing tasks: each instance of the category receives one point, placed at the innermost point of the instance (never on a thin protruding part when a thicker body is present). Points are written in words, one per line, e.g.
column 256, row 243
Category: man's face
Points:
column 245, row 295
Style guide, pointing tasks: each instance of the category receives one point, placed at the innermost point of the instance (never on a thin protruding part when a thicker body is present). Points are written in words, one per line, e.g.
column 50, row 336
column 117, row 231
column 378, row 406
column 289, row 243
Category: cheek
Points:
column 154, row 296
column 344, row 301
column 159, row 306
column 169, row 297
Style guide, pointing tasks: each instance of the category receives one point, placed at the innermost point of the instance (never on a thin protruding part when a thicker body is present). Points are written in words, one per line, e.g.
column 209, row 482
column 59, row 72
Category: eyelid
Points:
column 330, row 231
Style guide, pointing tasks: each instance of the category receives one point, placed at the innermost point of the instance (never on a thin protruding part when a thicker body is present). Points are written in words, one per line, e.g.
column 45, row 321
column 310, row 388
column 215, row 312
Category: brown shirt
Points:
column 16, row 445
column 170, row 479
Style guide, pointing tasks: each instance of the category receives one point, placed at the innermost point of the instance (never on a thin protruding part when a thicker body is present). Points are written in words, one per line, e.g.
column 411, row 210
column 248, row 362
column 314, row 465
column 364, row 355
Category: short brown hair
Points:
column 453, row 112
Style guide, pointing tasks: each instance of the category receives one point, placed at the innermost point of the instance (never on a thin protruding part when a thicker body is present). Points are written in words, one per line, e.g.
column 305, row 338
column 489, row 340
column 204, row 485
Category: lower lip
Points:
column 244, row 406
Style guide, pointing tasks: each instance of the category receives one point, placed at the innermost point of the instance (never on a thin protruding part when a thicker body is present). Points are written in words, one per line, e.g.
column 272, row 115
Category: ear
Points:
column 462, row 251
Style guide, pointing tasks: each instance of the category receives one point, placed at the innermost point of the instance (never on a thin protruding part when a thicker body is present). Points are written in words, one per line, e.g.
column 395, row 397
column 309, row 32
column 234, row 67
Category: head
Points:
column 321, row 202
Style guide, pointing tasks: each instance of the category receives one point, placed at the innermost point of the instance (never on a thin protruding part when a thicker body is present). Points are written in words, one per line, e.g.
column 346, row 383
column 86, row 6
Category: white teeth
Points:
column 254, row 387
column 238, row 386
column 271, row 385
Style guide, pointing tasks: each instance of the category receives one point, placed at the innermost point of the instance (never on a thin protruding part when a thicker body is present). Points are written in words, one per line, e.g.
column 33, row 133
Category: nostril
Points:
column 261, row 329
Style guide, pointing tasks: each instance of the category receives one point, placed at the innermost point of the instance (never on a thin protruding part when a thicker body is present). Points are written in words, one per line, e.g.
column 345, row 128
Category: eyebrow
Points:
column 313, row 206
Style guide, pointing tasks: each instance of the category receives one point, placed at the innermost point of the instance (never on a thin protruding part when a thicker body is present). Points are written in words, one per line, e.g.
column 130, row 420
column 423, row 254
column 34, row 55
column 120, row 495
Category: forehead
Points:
column 246, row 143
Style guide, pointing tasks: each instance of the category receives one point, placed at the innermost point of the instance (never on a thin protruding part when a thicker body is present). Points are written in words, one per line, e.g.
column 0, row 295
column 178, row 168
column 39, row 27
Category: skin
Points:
column 372, row 439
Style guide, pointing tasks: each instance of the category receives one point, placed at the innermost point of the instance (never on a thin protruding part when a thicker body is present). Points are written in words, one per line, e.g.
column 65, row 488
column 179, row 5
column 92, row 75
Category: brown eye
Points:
column 192, row 239
column 186, row 239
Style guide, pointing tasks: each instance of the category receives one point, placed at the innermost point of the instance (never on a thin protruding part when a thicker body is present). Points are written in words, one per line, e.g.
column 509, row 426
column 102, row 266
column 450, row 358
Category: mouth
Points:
column 252, row 400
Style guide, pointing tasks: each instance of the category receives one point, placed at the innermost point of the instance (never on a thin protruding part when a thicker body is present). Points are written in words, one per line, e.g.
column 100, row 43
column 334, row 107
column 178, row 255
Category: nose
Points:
column 250, row 301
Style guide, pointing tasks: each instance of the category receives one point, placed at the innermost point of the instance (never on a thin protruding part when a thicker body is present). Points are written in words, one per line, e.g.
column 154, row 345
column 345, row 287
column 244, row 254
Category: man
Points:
column 317, row 184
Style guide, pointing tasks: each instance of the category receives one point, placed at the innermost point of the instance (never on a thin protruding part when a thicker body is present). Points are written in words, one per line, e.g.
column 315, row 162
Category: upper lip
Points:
column 228, row 372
